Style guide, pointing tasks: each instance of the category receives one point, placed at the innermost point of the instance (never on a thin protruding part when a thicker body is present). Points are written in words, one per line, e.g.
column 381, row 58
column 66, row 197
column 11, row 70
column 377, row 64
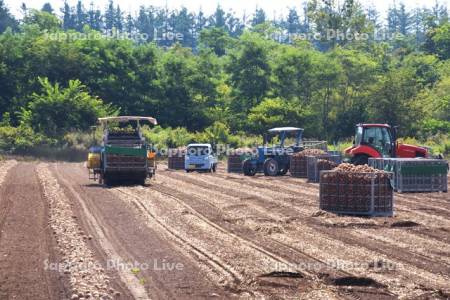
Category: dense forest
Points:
column 324, row 68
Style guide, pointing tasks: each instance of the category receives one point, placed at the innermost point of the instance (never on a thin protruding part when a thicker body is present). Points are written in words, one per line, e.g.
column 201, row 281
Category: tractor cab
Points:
column 284, row 136
column 379, row 140
column 274, row 159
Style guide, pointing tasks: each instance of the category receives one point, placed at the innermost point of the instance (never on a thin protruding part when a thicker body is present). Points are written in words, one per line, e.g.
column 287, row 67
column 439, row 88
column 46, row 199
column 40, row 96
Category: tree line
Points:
column 231, row 76
column 314, row 15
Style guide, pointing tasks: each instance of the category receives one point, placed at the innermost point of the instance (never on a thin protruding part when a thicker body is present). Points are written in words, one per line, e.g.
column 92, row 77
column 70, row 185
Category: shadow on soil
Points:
column 356, row 281
column 117, row 184
column 405, row 224
column 283, row 274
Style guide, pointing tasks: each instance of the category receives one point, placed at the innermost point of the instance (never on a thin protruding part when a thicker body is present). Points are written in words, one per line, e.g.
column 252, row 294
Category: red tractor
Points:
column 380, row 140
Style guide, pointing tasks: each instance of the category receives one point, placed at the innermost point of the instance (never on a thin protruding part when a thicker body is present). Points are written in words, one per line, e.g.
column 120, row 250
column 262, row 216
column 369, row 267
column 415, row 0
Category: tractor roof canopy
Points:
column 123, row 119
column 285, row 129
column 374, row 125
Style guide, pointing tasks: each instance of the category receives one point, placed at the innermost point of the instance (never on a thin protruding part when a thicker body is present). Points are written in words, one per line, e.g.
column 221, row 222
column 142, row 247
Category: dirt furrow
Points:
column 439, row 252
column 5, row 205
column 78, row 261
column 361, row 243
column 281, row 193
column 261, row 236
column 424, row 202
column 403, row 212
column 156, row 256
column 26, row 245
column 223, row 273
column 5, row 167
column 308, row 204
column 131, row 282
column 246, row 259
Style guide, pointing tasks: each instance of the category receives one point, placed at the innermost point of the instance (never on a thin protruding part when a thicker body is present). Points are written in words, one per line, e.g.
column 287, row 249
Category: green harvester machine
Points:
column 124, row 155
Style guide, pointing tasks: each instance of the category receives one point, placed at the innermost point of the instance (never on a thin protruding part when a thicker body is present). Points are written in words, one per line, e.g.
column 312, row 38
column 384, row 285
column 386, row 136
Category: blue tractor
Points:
column 274, row 160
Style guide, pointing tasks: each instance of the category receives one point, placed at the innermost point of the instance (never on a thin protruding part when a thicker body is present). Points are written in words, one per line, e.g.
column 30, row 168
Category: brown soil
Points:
column 233, row 236
column 25, row 239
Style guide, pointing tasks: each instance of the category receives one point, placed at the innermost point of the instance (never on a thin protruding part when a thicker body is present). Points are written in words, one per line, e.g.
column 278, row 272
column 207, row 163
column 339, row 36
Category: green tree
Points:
column 436, row 102
column 110, row 15
column 217, row 133
column 47, row 7
column 441, row 41
column 80, row 16
column 293, row 21
column 216, row 39
column 44, row 20
column 259, row 17
column 178, row 105
column 393, row 101
column 68, row 16
column 6, row 19
column 276, row 112
column 218, row 18
column 295, row 73
column 94, row 19
column 250, row 72
column 57, row 110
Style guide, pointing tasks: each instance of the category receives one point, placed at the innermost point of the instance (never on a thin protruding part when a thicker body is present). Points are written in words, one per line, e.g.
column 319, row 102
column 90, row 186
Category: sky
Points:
column 277, row 8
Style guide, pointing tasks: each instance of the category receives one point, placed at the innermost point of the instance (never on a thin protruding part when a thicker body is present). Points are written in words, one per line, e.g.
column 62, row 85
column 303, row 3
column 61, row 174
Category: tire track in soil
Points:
column 432, row 229
column 258, row 257
column 390, row 236
column 25, row 240
column 316, row 291
column 440, row 251
column 291, row 185
column 287, row 252
column 218, row 265
column 276, row 246
column 131, row 282
column 205, row 178
column 136, row 242
column 431, row 220
column 343, row 236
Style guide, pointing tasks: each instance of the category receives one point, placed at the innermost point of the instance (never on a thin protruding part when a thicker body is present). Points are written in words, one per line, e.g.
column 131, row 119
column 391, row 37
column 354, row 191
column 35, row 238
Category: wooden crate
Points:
column 415, row 174
column 298, row 166
column 368, row 194
column 313, row 169
column 234, row 163
column 176, row 159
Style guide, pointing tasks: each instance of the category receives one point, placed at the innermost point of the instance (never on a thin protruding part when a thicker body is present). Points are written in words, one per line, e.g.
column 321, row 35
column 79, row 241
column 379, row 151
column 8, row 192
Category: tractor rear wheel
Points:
column 271, row 167
column 248, row 168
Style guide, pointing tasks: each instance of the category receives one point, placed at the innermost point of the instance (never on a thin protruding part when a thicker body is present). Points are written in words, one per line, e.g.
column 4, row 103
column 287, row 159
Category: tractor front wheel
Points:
column 271, row 167
column 248, row 168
